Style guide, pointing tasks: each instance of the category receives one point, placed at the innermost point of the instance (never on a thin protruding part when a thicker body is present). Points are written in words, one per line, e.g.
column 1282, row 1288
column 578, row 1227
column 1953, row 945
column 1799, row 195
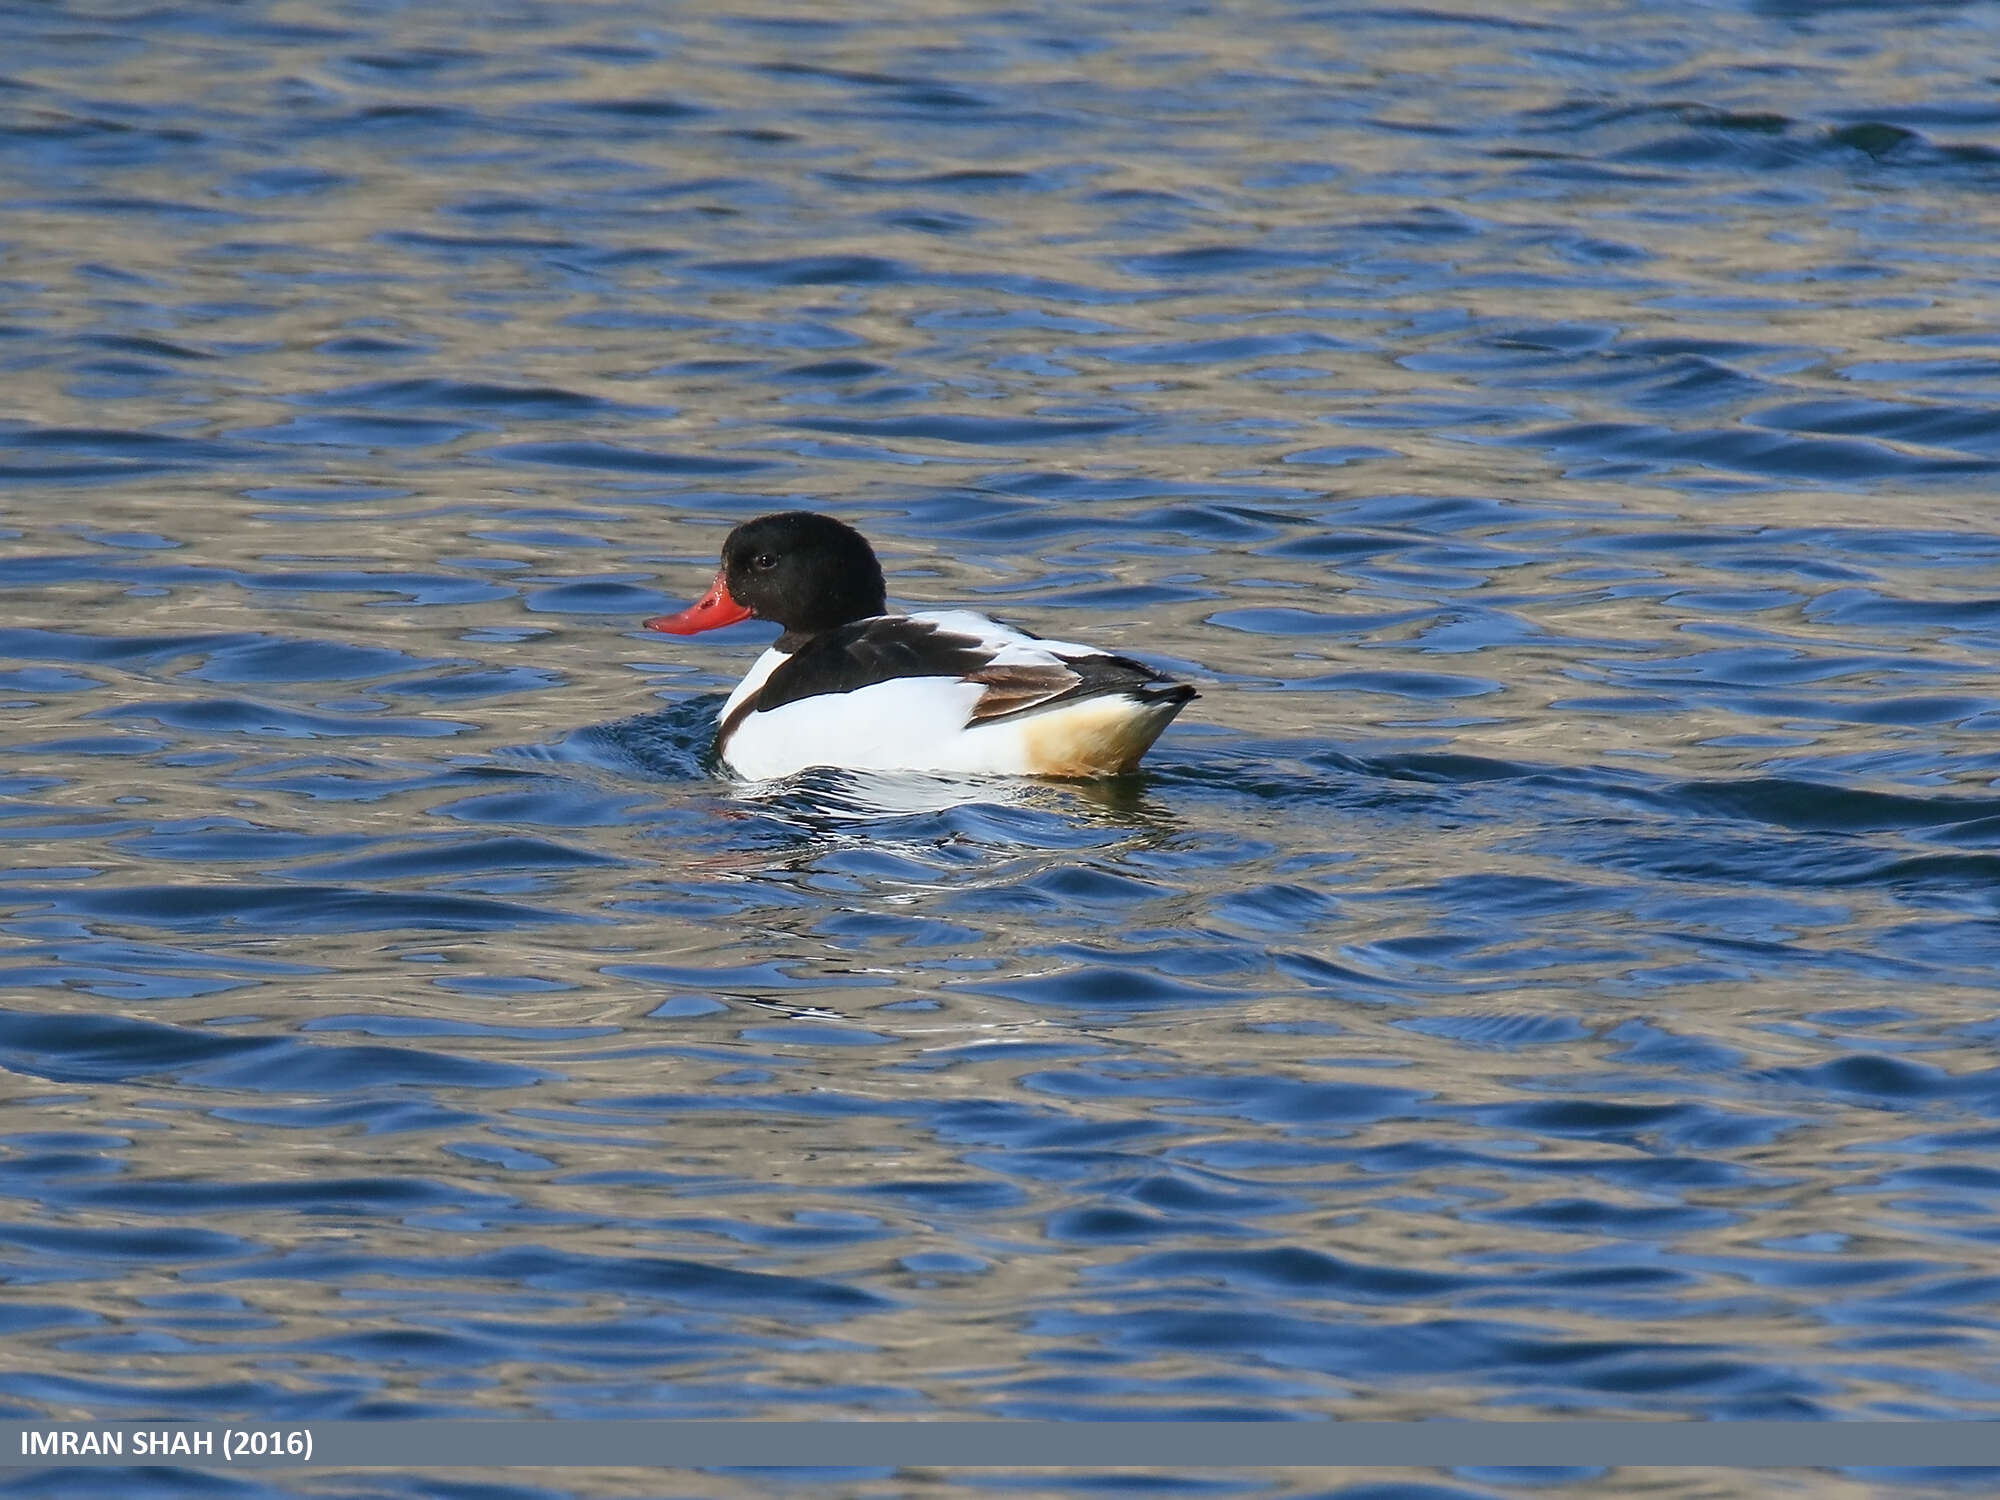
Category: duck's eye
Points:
column 763, row 562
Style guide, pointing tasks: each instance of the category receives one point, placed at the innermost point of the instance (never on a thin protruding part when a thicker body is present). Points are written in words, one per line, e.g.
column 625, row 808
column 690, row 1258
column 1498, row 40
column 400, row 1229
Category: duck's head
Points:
column 798, row 569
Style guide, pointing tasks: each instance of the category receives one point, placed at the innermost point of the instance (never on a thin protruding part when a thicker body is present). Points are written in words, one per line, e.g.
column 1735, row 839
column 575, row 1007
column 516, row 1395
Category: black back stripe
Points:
column 856, row 656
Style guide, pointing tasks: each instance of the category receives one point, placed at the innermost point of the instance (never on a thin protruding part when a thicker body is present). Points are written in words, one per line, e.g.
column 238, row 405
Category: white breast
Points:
column 759, row 673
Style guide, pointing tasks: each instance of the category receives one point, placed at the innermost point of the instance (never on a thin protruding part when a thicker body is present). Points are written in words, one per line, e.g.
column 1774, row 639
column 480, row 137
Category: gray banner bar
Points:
column 1002, row 1444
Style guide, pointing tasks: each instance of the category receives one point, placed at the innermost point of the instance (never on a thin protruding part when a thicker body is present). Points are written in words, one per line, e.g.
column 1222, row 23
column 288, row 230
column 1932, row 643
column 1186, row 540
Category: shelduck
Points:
column 851, row 685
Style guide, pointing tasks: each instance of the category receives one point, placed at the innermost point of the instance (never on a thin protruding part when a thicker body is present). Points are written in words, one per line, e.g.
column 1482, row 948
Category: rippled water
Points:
column 1550, row 971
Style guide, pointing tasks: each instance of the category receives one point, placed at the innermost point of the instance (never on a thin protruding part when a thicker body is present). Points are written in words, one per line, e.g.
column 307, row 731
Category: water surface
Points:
column 1549, row 972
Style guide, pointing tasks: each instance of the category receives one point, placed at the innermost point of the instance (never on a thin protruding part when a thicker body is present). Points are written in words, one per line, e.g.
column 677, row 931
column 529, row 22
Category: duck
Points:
column 851, row 685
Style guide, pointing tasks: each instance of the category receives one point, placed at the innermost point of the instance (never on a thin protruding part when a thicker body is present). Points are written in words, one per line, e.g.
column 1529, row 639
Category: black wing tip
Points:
column 1176, row 693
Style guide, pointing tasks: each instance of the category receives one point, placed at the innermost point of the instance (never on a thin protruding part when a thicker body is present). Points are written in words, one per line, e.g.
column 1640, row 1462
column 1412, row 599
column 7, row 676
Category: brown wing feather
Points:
column 1013, row 688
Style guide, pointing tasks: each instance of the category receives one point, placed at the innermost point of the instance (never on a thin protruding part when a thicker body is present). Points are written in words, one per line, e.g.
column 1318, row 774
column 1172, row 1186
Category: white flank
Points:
column 904, row 724
column 919, row 724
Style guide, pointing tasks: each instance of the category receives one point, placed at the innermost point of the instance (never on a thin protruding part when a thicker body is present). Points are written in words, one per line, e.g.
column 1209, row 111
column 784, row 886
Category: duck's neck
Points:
column 796, row 636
